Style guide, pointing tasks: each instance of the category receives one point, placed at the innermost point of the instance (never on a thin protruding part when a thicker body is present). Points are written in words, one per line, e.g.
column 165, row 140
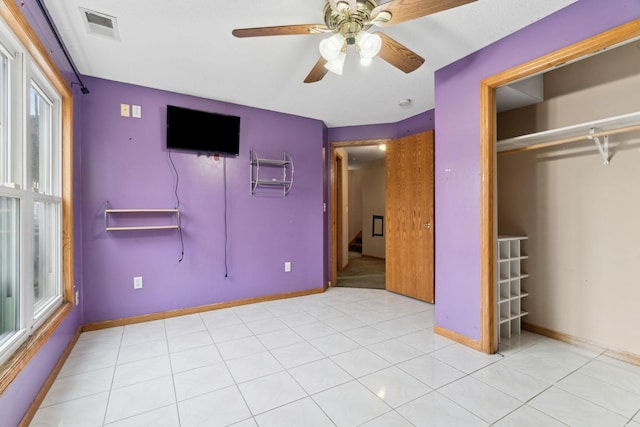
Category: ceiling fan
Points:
column 349, row 21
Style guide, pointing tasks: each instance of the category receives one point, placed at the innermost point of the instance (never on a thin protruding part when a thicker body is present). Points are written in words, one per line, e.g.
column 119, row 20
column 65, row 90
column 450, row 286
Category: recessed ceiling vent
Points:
column 100, row 24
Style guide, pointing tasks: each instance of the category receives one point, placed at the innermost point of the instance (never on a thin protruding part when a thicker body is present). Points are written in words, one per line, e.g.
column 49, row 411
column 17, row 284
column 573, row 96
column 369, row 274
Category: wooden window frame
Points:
column 17, row 22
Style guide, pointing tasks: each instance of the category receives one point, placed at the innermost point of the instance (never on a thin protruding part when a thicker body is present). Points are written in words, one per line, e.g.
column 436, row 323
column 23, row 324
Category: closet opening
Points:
column 558, row 174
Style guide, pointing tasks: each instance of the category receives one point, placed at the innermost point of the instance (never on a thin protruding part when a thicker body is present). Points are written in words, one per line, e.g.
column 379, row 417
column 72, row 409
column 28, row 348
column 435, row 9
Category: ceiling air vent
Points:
column 100, row 24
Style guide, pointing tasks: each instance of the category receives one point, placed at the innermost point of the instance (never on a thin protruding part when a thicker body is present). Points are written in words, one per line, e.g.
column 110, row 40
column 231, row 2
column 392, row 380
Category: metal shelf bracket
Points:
column 603, row 147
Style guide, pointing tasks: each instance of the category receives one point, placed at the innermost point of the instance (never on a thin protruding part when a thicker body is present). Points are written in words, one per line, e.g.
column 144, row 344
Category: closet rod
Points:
column 572, row 139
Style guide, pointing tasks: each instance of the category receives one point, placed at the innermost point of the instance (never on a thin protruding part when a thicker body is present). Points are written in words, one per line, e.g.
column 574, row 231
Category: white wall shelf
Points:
column 593, row 130
column 259, row 176
column 173, row 214
column 510, row 284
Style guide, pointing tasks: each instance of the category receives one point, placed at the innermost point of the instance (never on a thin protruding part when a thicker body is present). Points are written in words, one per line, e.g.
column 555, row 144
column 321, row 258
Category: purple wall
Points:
column 15, row 401
column 457, row 177
column 126, row 163
column 418, row 123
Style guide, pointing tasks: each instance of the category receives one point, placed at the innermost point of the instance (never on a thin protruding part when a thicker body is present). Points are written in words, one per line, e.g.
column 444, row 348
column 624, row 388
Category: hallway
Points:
column 362, row 272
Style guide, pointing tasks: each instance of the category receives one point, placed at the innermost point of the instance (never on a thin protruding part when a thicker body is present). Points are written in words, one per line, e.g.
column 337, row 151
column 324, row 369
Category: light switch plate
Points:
column 124, row 110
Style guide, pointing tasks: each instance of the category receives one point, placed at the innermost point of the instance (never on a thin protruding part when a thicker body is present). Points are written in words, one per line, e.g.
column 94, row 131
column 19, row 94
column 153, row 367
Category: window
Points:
column 4, row 119
column 30, row 196
column 45, row 172
column 9, row 268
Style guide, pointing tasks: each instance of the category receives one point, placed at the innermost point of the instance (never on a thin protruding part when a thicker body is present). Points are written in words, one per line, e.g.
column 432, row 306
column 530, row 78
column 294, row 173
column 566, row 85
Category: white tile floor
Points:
column 348, row 357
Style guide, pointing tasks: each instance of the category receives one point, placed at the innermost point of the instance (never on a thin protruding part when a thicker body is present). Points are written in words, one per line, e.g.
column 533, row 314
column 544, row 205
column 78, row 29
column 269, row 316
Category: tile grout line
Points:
column 355, row 306
column 173, row 381
column 308, row 395
column 549, row 387
column 113, row 377
column 223, row 360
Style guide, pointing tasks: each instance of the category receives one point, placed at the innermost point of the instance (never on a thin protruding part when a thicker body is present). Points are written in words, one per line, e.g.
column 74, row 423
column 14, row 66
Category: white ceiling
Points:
column 187, row 47
column 362, row 154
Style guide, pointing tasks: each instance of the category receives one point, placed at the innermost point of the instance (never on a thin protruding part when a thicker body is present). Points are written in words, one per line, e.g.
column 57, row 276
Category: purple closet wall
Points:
column 125, row 162
column 457, row 174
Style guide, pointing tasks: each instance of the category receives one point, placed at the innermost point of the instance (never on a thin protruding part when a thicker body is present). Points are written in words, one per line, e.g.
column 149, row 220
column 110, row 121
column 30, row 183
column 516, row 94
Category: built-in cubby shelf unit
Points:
column 151, row 217
column 271, row 173
column 511, row 284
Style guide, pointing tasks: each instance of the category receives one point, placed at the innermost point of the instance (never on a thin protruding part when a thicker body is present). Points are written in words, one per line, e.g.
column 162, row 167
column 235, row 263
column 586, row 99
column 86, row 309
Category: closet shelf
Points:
column 174, row 225
column 510, row 278
column 593, row 130
column 513, row 316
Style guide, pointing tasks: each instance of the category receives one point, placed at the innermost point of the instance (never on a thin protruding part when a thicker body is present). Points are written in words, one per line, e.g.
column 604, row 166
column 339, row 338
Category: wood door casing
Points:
column 409, row 206
column 340, row 212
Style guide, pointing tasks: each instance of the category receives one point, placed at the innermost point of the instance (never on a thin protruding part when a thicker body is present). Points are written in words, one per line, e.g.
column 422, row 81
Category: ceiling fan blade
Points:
column 283, row 30
column 317, row 72
column 398, row 55
column 406, row 10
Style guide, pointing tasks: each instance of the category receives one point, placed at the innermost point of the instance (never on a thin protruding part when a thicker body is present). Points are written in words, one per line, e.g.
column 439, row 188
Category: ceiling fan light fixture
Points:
column 332, row 47
column 336, row 65
column 368, row 46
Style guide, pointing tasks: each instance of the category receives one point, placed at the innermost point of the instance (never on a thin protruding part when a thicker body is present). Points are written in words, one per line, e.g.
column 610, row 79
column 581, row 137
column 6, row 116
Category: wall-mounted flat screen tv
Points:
column 202, row 131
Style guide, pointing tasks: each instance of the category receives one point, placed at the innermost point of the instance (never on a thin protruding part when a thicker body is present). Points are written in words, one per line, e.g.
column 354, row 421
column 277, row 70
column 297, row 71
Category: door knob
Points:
column 427, row 225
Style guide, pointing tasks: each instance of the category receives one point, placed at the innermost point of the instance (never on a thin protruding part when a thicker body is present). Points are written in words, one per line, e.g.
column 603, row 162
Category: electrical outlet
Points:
column 287, row 267
column 137, row 282
column 124, row 110
column 136, row 111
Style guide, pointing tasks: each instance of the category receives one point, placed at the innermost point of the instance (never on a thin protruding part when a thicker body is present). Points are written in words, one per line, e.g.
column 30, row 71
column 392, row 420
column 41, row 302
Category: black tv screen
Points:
column 202, row 131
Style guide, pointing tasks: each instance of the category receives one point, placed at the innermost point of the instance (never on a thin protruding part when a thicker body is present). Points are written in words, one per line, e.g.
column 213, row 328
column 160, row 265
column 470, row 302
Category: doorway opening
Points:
column 357, row 213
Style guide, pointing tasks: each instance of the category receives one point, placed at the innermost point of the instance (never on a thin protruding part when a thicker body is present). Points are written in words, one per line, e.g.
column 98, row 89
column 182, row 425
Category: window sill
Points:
column 10, row 369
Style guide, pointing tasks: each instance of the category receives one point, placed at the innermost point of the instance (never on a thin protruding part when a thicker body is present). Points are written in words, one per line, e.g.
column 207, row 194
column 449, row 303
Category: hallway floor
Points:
column 346, row 357
column 362, row 272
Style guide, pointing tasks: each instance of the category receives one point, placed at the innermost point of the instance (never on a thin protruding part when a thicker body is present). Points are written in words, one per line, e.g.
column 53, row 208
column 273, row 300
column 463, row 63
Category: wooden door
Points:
column 409, row 217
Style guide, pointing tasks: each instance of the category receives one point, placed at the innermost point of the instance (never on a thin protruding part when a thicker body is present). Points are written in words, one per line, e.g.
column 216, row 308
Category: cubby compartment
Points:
column 504, row 270
column 503, row 249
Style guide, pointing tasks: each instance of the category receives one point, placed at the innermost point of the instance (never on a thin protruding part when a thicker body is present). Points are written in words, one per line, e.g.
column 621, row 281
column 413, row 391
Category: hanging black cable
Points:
column 226, row 225
column 175, row 192
column 83, row 88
